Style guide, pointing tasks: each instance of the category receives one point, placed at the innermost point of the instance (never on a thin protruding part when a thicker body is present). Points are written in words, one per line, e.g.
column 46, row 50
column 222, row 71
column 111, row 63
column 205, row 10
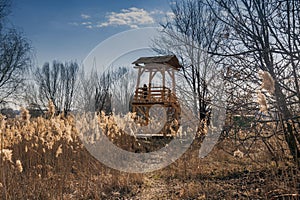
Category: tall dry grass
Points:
column 43, row 158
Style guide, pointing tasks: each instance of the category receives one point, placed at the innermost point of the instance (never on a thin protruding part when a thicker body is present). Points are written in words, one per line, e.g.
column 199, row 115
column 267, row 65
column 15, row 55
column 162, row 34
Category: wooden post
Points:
column 173, row 81
column 163, row 72
column 150, row 76
column 139, row 77
column 149, row 84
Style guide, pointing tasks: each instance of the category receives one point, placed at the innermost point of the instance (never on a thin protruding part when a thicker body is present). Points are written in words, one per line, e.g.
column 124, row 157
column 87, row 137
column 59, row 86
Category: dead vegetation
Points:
column 42, row 158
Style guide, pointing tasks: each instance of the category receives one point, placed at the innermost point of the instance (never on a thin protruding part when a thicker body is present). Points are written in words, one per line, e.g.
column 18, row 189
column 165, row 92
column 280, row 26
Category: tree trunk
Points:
column 287, row 126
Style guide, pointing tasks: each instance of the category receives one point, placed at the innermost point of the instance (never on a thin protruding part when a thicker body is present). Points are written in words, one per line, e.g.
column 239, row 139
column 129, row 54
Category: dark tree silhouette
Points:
column 264, row 35
column 15, row 57
column 57, row 83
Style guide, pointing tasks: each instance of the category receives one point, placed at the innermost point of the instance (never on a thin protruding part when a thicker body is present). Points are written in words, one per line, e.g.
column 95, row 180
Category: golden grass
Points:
column 43, row 158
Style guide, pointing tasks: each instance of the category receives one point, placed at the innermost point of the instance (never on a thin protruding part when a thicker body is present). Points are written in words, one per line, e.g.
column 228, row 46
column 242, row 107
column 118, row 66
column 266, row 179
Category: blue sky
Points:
column 68, row 30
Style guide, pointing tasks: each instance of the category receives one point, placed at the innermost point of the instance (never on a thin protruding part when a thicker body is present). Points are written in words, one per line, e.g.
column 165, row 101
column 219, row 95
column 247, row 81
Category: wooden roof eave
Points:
column 170, row 60
column 156, row 66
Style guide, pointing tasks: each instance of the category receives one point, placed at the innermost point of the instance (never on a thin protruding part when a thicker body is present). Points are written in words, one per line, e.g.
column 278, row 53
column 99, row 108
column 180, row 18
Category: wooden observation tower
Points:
column 146, row 94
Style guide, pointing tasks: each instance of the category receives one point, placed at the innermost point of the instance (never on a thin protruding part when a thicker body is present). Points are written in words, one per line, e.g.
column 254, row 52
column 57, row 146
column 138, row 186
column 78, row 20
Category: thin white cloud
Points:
column 74, row 23
column 85, row 16
column 157, row 12
column 86, row 23
column 132, row 17
column 170, row 15
column 167, row 17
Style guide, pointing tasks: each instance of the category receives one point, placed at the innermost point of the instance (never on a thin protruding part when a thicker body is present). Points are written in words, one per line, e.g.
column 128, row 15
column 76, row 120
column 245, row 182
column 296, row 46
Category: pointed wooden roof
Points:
column 169, row 59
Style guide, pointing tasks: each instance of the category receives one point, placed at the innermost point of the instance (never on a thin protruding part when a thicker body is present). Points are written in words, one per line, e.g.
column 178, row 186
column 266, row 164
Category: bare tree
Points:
column 264, row 35
column 102, row 91
column 190, row 34
column 15, row 57
column 57, row 83
column 123, row 89
column 94, row 92
column 102, row 95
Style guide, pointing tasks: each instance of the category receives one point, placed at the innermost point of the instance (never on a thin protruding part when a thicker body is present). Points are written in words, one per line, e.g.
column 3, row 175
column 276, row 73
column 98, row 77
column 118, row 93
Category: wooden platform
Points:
column 154, row 95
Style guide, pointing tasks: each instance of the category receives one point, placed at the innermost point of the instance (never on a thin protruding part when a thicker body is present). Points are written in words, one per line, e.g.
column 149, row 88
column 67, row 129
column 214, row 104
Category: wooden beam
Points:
column 152, row 76
column 173, row 82
column 140, row 73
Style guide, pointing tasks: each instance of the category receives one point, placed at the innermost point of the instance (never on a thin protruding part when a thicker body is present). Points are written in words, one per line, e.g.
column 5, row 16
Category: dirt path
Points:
column 155, row 188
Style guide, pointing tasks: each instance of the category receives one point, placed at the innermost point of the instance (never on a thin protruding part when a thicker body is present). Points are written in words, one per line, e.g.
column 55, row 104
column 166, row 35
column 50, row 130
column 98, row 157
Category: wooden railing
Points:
column 154, row 95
